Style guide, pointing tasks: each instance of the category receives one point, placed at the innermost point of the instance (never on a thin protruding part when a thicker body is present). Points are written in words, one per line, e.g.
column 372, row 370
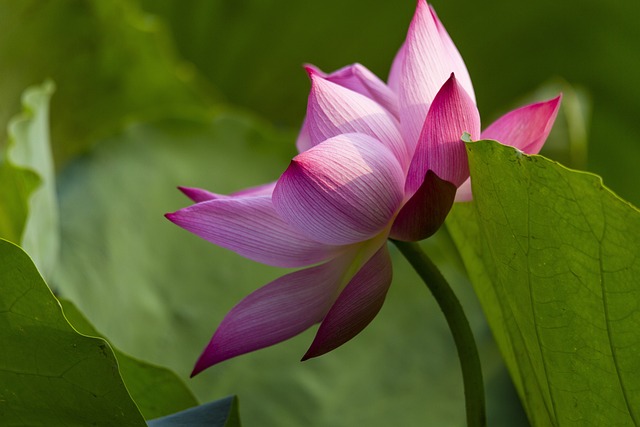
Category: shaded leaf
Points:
column 29, row 150
column 221, row 413
column 554, row 257
column 157, row 391
column 109, row 61
column 50, row 374
column 17, row 186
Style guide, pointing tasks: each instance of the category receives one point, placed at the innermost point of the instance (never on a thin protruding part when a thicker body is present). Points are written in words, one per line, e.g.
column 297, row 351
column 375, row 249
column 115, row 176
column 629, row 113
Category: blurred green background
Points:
column 159, row 93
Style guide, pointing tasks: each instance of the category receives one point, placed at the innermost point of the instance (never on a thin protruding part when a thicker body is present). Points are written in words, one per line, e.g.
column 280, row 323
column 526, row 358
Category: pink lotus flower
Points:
column 376, row 161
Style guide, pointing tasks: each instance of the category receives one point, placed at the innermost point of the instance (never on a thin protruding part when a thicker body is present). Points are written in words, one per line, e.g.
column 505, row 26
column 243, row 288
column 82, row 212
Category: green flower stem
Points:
column 460, row 329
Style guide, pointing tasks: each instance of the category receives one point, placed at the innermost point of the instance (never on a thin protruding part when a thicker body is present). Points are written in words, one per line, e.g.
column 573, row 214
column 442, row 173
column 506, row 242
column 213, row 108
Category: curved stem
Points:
column 460, row 329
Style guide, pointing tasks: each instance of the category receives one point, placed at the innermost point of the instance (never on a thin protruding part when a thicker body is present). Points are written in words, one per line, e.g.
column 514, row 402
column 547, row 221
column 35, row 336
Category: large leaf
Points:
column 554, row 257
column 49, row 373
column 109, row 61
column 221, row 413
column 247, row 49
column 170, row 289
column 157, row 391
column 36, row 227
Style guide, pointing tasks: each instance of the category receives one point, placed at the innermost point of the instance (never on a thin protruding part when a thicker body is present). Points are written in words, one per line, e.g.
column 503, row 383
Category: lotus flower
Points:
column 376, row 161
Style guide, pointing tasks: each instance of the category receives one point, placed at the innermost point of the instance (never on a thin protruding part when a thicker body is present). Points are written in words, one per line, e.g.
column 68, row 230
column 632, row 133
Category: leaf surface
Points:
column 555, row 260
column 157, row 391
column 49, row 373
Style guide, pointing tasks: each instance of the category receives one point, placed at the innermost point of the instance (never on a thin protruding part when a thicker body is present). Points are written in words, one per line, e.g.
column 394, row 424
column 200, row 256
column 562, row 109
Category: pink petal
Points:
column 426, row 211
column 333, row 110
column 258, row 190
column 356, row 306
column 199, row 195
column 464, row 192
column 251, row 227
column 440, row 146
column 303, row 143
column 359, row 79
column 276, row 312
column 429, row 58
column 457, row 63
column 526, row 128
column 396, row 70
column 342, row 191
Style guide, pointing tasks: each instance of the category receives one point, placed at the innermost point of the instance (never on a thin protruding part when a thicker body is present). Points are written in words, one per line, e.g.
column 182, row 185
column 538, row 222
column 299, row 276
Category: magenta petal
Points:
column 525, row 128
column 199, row 195
column 440, row 147
column 342, row 191
column 429, row 58
column 334, row 110
column 426, row 211
column 251, row 227
column 276, row 312
column 356, row 306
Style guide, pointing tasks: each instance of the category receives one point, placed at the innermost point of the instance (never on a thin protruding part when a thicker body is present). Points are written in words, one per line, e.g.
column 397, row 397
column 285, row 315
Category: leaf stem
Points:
column 460, row 329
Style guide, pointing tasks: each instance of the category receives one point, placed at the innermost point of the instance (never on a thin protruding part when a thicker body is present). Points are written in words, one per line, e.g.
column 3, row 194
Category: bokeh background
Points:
column 152, row 94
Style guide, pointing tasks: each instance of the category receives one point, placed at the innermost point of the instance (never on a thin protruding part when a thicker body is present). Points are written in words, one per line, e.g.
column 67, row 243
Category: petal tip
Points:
column 312, row 71
column 452, row 82
column 200, row 365
column 187, row 191
column 313, row 352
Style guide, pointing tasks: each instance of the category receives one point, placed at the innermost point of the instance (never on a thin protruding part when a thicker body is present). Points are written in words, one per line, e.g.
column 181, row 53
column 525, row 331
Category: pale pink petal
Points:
column 333, row 110
column 525, row 128
column 426, row 211
column 429, row 58
column 396, row 70
column 199, row 195
column 356, row 306
column 276, row 312
column 464, row 192
column 440, row 146
column 342, row 191
column 303, row 143
column 457, row 63
column 359, row 79
column 251, row 227
column 258, row 190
